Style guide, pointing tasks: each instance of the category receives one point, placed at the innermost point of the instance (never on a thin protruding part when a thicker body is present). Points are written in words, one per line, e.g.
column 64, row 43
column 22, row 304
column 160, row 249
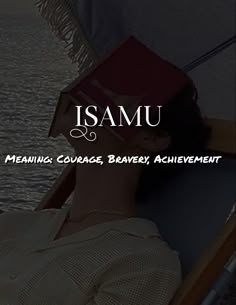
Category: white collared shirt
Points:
column 122, row 262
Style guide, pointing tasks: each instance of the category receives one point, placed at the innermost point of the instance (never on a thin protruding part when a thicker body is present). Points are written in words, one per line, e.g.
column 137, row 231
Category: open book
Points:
column 131, row 78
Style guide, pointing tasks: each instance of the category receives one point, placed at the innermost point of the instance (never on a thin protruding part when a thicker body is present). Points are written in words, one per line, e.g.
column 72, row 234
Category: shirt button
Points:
column 13, row 277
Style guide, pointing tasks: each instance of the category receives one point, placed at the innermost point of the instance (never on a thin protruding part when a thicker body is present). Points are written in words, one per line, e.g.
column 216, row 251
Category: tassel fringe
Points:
column 63, row 23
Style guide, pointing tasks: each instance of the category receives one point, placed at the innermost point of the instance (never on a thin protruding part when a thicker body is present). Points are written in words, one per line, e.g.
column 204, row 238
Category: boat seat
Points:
column 193, row 208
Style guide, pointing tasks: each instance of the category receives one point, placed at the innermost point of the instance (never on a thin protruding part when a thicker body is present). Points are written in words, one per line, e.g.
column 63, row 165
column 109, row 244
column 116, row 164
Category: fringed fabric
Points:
column 61, row 18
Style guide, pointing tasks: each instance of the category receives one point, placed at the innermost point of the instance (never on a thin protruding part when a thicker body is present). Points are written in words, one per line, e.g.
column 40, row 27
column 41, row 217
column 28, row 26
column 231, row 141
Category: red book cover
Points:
column 131, row 76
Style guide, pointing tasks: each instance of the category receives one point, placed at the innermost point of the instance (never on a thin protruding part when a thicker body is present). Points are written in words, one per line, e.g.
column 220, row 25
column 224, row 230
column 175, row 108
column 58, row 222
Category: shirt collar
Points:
column 138, row 227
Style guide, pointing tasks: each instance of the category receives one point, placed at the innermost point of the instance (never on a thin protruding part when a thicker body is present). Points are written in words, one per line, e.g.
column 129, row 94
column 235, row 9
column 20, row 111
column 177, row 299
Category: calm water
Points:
column 33, row 70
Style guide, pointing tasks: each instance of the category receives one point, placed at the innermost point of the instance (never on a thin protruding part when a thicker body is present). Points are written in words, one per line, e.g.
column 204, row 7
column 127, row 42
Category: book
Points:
column 132, row 76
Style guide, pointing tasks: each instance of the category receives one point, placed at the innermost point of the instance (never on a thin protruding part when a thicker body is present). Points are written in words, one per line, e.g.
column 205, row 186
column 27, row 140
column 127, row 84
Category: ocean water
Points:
column 33, row 69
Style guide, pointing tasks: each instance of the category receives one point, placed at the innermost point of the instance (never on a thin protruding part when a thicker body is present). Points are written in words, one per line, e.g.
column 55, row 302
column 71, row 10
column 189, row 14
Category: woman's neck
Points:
column 108, row 189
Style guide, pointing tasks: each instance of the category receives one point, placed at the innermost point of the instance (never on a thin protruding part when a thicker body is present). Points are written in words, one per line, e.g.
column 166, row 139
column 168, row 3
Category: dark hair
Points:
column 182, row 120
